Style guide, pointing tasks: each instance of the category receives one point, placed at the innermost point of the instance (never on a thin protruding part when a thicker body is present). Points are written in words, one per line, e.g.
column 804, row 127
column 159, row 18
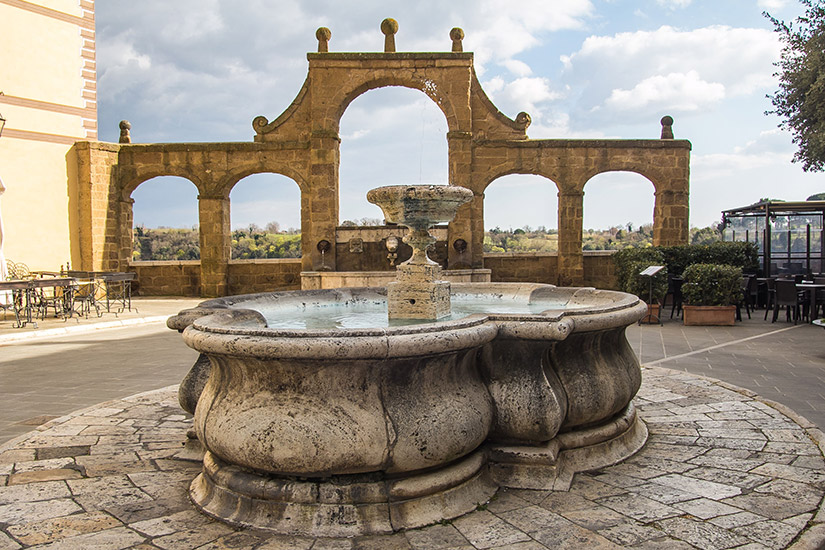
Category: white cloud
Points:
column 518, row 68
column 772, row 4
column 674, row 4
column 676, row 91
column 671, row 69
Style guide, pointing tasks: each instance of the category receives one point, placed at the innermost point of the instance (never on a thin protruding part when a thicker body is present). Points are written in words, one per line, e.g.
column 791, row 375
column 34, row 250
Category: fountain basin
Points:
column 331, row 428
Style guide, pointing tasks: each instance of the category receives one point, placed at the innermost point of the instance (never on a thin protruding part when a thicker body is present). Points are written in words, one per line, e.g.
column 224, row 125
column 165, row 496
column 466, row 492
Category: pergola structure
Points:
column 790, row 236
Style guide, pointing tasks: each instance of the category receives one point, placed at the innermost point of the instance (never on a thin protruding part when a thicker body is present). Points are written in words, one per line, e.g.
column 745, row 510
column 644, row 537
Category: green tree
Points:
column 800, row 100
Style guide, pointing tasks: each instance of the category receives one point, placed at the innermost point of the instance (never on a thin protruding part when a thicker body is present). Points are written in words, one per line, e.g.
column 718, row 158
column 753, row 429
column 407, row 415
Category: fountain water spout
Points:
column 418, row 291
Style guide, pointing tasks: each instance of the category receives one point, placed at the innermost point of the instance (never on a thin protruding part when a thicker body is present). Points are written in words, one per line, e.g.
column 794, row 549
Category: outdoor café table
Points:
column 21, row 301
column 811, row 288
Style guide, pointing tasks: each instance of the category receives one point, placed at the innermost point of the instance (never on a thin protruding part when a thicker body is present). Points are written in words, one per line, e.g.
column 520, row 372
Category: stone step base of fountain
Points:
column 371, row 504
column 551, row 466
column 344, row 506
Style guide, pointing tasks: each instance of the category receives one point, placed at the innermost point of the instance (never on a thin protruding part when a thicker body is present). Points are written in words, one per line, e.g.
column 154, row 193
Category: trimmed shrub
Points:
column 712, row 285
column 625, row 259
column 737, row 254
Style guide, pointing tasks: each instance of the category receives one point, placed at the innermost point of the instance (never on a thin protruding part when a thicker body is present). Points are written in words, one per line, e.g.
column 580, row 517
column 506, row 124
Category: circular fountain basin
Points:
column 322, row 417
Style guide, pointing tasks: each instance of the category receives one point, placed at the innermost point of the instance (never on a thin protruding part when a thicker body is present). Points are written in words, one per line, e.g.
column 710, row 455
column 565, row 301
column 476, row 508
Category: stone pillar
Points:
column 670, row 218
column 571, row 259
column 215, row 245
column 123, row 254
column 95, row 216
column 468, row 224
column 319, row 205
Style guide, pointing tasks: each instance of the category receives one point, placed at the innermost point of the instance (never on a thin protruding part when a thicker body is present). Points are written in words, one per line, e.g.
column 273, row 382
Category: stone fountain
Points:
column 369, row 410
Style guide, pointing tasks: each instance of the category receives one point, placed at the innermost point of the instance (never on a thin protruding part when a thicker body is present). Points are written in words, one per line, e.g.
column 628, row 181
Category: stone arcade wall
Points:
column 167, row 278
column 303, row 144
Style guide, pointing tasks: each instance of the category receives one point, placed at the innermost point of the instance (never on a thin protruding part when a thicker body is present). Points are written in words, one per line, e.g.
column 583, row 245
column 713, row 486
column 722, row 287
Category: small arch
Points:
column 265, row 217
column 408, row 145
column 234, row 176
column 521, row 203
column 129, row 185
column 165, row 219
column 636, row 194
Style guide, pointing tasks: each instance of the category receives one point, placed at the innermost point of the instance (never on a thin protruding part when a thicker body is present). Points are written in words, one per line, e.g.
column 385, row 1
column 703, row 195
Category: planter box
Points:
column 652, row 317
column 709, row 315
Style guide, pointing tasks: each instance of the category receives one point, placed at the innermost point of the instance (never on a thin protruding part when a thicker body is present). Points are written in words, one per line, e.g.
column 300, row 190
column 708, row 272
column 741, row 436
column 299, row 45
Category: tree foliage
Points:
column 183, row 244
column 165, row 243
column 800, row 100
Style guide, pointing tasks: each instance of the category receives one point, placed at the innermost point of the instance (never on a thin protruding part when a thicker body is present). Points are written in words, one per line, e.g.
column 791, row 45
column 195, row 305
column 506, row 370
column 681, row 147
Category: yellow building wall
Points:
column 48, row 98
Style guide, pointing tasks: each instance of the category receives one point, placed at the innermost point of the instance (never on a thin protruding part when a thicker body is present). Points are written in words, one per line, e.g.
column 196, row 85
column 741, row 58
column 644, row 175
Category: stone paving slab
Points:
column 722, row 469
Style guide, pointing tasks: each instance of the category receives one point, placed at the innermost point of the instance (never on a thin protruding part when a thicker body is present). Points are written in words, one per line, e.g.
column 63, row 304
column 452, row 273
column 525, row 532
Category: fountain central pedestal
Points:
column 418, row 291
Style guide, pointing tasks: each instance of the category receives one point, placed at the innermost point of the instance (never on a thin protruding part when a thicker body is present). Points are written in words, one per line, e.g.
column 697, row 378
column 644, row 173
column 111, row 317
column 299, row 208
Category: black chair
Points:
column 770, row 295
column 789, row 297
column 674, row 291
column 820, row 297
column 748, row 286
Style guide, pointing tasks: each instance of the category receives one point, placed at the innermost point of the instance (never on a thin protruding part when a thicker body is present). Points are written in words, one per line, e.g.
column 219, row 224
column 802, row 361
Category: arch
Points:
column 529, row 212
column 265, row 213
column 234, row 175
column 127, row 187
column 429, row 87
column 179, row 203
column 409, row 145
column 647, row 172
column 503, row 173
column 637, row 210
column 261, row 181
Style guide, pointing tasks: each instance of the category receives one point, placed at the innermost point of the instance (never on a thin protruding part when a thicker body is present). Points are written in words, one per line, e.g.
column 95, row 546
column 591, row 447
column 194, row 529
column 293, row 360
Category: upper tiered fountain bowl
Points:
column 353, row 411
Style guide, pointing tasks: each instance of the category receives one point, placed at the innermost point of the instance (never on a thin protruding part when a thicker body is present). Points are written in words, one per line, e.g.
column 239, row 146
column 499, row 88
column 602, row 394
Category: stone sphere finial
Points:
column 389, row 27
column 323, row 35
column 125, row 126
column 667, row 127
column 457, row 35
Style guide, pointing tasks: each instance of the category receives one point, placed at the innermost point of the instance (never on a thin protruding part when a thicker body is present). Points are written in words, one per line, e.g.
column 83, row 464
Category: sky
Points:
column 201, row 70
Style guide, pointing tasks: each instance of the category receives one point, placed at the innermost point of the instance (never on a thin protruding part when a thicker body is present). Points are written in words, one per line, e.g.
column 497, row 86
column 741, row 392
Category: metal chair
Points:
column 789, row 297
column 748, row 286
column 770, row 295
column 674, row 291
column 18, row 270
column 820, row 297
column 84, row 298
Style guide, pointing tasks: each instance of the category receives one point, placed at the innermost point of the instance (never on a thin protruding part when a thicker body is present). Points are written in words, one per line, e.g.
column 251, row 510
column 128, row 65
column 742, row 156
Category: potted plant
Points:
column 710, row 293
column 651, row 290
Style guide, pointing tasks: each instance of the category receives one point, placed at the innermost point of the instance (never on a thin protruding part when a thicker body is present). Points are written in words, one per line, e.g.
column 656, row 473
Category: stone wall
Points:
column 527, row 268
column 599, row 271
column 167, row 278
column 264, row 275
column 183, row 278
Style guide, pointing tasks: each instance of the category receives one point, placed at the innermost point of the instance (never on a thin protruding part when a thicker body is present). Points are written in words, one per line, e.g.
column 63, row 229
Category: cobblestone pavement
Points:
column 722, row 469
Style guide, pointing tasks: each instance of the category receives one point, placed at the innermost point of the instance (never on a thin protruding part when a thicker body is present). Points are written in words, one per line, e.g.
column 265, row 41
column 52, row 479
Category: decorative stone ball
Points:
column 667, row 120
column 323, row 34
column 389, row 26
column 457, row 33
column 125, row 125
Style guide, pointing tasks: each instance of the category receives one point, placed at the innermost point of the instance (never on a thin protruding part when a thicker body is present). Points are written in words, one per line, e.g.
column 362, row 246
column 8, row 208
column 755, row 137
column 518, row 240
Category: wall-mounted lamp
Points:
column 2, row 124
